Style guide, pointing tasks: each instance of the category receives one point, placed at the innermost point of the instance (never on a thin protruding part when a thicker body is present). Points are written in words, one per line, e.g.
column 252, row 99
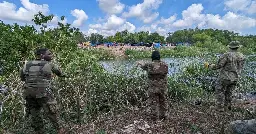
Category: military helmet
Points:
column 234, row 44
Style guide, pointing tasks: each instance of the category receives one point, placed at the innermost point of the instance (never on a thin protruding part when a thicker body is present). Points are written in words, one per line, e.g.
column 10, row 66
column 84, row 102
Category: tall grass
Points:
column 91, row 91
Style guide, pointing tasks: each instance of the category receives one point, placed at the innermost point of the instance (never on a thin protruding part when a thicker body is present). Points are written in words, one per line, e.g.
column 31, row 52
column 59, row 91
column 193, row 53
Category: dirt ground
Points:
column 183, row 119
column 119, row 51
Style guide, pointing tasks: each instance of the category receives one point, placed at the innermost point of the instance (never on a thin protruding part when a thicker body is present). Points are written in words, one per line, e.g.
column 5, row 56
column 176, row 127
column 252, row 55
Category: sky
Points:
column 106, row 17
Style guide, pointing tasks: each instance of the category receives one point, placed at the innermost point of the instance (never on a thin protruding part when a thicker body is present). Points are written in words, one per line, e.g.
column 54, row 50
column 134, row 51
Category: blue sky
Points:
column 109, row 16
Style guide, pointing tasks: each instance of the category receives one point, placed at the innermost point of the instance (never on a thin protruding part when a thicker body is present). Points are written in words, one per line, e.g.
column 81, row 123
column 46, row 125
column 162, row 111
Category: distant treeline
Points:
column 190, row 36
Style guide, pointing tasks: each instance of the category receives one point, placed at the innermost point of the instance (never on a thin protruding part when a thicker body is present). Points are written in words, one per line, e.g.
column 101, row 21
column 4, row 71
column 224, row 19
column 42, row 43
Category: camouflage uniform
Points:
column 157, row 88
column 37, row 93
column 241, row 127
column 230, row 66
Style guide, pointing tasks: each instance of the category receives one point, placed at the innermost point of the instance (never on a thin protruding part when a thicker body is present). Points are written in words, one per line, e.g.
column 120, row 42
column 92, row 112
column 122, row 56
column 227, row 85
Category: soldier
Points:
column 230, row 66
column 37, row 75
column 157, row 89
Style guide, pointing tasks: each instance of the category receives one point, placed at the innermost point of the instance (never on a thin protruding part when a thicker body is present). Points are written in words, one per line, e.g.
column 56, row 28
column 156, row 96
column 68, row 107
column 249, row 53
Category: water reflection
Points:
column 126, row 66
column 176, row 65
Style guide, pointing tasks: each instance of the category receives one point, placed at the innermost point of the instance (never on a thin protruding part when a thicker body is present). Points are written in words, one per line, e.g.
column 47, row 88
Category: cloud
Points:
column 127, row 26
column 190, row 16
column 237, row 5
column 145, row 28
column 111, row 6
column 9, row 11
column 144, row 11
column 252, row 8
column 95, row 26
column 113, row 22
column 167, row 21
column 230, row 21
column 161, row 31
column 193, row 17
column 80, row 15
column 247, row 6
column 111, row 26
column 90, row 31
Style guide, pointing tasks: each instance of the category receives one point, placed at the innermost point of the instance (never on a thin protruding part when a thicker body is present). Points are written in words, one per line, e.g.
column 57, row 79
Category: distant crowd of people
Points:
column 157, row 45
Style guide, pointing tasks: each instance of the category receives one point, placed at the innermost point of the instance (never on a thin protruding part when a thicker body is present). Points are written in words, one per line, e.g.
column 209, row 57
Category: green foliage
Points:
column 137, row 54
column 96, row 38
column 90, row 90
column 126, row 37
column 179, row 51
column 101, row 131
column 194, row 35
column 200, row 37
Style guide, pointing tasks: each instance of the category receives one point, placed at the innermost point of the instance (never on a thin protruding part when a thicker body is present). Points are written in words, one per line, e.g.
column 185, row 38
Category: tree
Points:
column 96, row 38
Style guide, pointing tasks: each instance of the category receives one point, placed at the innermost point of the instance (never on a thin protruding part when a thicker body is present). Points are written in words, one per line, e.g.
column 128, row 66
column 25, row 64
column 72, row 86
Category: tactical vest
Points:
column 157, row 70
column 35, row 76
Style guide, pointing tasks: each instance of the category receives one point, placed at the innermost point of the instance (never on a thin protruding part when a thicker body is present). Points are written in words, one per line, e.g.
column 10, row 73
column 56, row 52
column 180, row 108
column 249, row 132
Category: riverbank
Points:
column 183, row 118
column 120, row 51
column 139, row 52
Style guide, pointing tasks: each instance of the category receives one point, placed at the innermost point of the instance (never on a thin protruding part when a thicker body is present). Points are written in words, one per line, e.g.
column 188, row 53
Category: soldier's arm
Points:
column 166, row 68
column 144, row 66
column 56, row 70
column 241, row 63
column 221, row 63
column 22, row 75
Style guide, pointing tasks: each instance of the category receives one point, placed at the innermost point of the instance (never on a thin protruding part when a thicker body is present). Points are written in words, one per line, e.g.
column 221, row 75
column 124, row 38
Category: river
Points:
column 175, row 66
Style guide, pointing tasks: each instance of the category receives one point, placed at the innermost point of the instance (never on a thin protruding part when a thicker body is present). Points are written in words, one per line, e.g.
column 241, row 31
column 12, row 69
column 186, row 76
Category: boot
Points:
column 61, row 131
column 39, row 132
column 229, row 107
column 163, row 117
column 220, row 108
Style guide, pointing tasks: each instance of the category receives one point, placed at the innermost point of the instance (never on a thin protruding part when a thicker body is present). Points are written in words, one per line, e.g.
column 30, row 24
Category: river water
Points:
column 175, row 65
column 124, row 67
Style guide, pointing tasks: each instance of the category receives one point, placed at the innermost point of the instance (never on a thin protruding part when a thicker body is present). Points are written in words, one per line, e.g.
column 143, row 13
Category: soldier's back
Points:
column 235, row 61
column 38, row 75
column 233, row 66
column 157, row 74
column 158, row 67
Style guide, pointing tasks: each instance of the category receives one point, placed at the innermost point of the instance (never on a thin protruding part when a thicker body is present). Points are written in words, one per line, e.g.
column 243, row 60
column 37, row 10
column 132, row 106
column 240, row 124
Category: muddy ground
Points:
column 183, row 118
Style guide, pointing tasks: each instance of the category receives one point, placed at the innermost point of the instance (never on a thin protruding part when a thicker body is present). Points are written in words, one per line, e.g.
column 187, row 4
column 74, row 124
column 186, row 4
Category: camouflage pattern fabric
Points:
column 241, row 127
column 230, row 66
column 34, row 107
column 157, row 88
column 37, row 75
column 224, row 90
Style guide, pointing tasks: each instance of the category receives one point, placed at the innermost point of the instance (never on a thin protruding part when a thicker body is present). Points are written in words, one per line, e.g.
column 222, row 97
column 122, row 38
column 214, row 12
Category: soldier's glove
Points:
column 211, row 65
column 206, row 65
column 137, row 64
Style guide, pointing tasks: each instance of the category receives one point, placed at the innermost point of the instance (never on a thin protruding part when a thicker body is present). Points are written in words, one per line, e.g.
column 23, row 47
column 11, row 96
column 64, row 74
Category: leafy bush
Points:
column 90, row 90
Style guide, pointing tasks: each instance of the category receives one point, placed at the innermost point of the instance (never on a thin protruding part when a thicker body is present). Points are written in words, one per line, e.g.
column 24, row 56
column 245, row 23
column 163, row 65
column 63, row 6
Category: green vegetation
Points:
column 179, row 51
column 202, row 45
column 91, row 91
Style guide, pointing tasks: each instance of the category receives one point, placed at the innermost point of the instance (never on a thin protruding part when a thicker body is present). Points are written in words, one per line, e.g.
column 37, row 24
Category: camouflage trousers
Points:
column 157, row 103
column 241, row 127
column 34, row 107
column 224, row 90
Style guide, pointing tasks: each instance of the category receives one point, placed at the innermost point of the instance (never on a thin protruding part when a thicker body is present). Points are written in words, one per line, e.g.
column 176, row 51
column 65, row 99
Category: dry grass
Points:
column 184, row 118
